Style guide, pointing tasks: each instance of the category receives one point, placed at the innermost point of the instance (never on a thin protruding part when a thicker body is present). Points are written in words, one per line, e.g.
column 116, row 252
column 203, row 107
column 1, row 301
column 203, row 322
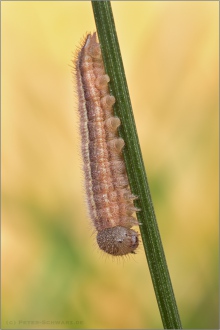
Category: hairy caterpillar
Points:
column 109, row 199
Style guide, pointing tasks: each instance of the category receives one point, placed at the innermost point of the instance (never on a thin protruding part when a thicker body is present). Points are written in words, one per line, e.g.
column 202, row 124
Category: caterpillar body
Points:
column 109, row 199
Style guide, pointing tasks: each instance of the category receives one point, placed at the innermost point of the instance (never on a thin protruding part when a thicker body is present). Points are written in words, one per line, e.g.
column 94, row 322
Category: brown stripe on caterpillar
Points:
column 109, row 199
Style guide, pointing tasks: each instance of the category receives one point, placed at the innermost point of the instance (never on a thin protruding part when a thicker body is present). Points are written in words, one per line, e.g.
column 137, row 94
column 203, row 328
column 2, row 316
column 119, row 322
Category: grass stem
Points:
column 135, row 166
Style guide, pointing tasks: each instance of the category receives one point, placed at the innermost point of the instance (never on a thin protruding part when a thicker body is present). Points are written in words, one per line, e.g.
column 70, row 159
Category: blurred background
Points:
column 53, row 275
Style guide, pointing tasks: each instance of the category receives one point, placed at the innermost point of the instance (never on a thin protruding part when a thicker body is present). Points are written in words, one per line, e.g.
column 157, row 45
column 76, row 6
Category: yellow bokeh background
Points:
column 52, row 270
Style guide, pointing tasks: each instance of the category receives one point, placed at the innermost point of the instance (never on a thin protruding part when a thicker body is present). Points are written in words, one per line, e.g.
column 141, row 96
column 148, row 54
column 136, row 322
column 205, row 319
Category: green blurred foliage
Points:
column 52, row 269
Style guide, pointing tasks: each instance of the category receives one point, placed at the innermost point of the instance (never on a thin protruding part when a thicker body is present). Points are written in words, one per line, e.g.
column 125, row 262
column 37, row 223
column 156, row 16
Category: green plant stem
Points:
column 135, row 166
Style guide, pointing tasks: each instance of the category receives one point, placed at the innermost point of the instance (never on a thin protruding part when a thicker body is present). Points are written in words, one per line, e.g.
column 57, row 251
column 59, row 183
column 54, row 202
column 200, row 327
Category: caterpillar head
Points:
column 118, row 240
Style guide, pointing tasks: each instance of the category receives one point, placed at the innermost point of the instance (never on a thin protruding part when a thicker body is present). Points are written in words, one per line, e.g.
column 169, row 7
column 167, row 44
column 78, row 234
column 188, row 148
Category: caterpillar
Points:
column 108, row 195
